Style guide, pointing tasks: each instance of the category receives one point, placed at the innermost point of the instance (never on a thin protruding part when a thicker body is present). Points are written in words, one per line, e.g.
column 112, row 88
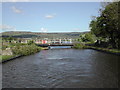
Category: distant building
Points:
column 45, row 41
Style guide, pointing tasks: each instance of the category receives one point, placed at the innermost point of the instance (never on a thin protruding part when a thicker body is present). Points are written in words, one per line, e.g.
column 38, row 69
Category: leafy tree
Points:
column 30, row 42
column 106, row 25
column 88, row 37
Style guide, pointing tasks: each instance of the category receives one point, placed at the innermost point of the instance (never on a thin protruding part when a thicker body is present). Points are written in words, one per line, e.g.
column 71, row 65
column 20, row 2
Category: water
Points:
column 62, row 68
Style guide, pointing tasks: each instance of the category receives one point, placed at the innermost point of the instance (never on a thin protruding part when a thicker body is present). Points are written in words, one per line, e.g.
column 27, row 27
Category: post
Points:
column 60, row 41
column 70, row 40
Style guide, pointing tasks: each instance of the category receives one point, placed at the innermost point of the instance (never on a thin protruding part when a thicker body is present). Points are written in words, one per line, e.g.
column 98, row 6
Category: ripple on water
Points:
column 55, row 58
column 62, row 68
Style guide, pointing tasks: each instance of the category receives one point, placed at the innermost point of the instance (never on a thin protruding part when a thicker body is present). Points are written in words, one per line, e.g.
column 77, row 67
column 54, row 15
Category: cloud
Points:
column 76, row 29
column 50, row 16
column 43, row 30
column 4, row 28
column 7, row 28
column 16, row 0
column 16, row 10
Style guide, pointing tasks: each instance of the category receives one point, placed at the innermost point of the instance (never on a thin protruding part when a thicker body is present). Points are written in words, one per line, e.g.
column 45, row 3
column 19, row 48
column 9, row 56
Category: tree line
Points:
column 105, row 27
column 106, row 24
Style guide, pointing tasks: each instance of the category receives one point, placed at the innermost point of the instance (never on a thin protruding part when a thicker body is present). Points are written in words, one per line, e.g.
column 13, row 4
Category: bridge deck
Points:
column 46, row 45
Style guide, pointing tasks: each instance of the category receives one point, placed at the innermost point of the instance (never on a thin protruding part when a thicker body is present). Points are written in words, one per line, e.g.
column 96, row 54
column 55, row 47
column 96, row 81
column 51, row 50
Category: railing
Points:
column 46, row 45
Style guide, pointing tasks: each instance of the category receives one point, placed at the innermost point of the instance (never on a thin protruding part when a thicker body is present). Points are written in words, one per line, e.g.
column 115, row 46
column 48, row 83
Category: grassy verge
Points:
column 23, row 50
column 114, row 51
column 79, row 46
column 44, row 48
column 82, row 46
column 5, row 57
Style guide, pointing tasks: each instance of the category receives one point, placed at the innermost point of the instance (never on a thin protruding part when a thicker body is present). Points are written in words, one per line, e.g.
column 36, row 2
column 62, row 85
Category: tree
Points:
column 88, row 37
column 30, row 42
column 106, row 25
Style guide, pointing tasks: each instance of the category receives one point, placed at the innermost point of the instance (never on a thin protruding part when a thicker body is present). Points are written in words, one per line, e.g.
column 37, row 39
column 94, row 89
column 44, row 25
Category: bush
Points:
column 30, row 42
column 4, row 47
column 26, row 49
column 87, row 37
column 79, row 46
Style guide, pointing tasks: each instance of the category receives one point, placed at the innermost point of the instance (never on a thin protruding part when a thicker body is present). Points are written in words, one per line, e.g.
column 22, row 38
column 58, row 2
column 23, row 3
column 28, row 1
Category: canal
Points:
column 62, row 68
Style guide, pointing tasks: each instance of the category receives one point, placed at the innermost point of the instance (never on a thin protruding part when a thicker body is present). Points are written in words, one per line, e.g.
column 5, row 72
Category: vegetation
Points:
column 30, row 42
column 42, row 35
column 87, row 37
column 104, row 35
column 113, row 51
column 79, row 46
column 18, row 49
column 26, row 49
column 10, row 45
column 106, row 25
column 5, row 57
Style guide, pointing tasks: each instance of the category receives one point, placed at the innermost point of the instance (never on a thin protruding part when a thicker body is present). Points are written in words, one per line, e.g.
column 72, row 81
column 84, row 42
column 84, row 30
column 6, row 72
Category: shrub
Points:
column 25, row 49
column 79, row 46
column 4, row 47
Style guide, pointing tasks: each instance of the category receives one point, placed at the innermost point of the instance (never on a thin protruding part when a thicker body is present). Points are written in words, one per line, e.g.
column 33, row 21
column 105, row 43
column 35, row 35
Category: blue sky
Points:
column 48, row 16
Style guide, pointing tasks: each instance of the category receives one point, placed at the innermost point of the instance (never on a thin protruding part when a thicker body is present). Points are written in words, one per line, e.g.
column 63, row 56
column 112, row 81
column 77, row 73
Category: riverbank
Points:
column 106, row 50
column 79, row 46
column 5, row 58
column 19, row 51
column 8, row 58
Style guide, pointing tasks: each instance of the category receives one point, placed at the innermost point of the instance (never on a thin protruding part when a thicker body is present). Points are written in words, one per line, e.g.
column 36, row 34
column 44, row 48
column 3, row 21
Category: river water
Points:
column 62, row 68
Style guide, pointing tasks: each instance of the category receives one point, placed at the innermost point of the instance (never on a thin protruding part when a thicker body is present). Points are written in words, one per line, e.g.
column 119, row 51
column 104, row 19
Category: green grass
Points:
column 82, row 46
column 105, row 49
column 5, row 57
column 25, row 49
column 79, row 46
column 20, row 50
column 114, row 50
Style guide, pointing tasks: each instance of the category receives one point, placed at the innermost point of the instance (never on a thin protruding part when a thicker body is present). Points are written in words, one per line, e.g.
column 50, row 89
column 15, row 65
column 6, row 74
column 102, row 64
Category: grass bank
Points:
column 79, row 46
column 4, row 58
column 20, row 51
column 25, row 49
column 107, row 50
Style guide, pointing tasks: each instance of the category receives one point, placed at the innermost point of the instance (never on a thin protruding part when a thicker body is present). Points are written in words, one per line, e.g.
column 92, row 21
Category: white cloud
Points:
column 16, row 0
column 16, row 10
column 22, row 30
column 50, row 16
column 6, row 27
column 76, row 29
column 43, row 30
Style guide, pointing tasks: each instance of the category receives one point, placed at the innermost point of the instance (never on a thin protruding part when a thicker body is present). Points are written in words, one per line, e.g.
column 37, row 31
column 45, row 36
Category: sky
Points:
column 48, row 16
